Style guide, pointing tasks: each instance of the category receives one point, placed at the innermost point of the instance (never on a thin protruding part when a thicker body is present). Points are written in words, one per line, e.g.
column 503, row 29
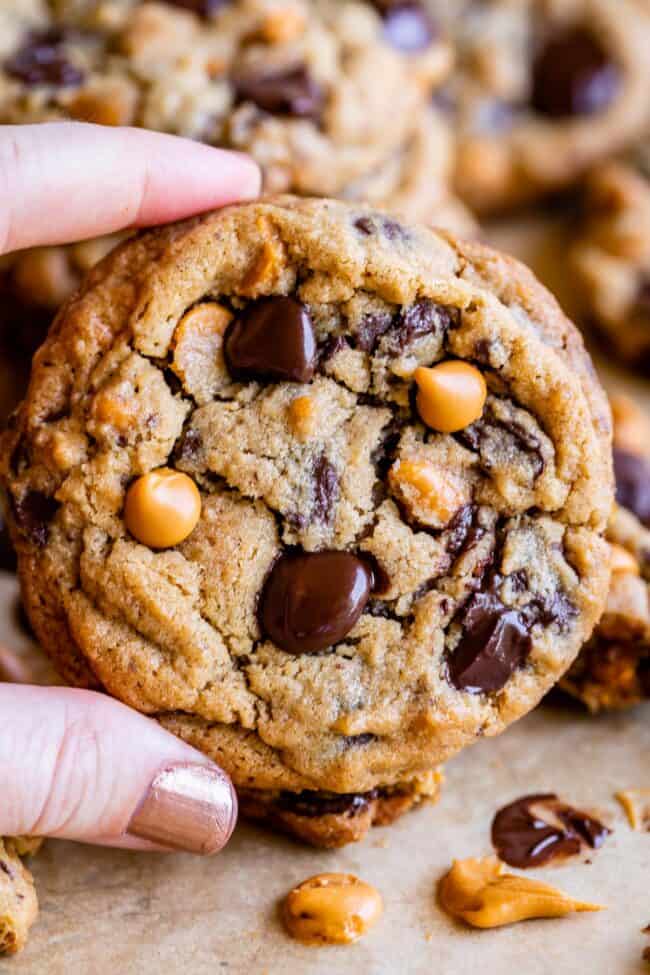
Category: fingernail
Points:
column 187, row 807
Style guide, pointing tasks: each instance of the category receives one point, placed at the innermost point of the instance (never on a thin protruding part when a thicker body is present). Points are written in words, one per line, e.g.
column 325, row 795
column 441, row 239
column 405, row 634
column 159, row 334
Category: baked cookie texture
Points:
column 362, row 596
column 304, row 87
column 542, row 90
column 611, row 256
column 613, row 670
column 18, row 901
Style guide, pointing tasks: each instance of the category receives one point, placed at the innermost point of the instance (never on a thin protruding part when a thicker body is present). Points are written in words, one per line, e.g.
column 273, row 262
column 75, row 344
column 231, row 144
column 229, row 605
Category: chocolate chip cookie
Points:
column 613, row 670
column 322, row 491
column 611, row 257
column 18, row 902
column 542, row 89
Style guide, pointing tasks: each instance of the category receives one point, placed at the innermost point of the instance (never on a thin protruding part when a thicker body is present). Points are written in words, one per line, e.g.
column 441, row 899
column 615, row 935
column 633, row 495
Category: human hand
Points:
column 73, row 763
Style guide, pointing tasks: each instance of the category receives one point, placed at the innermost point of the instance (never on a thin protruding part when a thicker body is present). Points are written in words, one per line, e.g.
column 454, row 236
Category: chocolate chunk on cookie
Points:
column 290, row 514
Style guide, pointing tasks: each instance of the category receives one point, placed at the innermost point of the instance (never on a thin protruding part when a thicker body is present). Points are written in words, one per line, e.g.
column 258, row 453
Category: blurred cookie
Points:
column 611, row 257
column 613, row 670
column 18, row 902
column 542, row 89
column 322, row 491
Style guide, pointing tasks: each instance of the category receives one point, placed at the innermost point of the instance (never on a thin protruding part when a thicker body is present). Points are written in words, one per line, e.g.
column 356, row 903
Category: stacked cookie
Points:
column 323, row 492
column 304, row 87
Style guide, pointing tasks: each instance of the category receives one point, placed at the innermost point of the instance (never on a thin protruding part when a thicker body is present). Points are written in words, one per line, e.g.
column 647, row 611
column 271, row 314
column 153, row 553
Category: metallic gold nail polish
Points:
column 187, row 807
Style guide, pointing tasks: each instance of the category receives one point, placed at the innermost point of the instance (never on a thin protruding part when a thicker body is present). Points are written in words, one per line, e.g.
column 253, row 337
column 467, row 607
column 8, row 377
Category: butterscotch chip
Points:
column 331, row 908
column 111, row 102
column 483, row 895
column 198, row 349
column 18, row 902
column 162, row 508
column 301, row 416
column 636, row 804
column 451, row 395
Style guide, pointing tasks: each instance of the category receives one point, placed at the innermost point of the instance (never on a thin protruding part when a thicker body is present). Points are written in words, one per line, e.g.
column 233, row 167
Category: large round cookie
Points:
column 362, row 595
column 611, row 256
column 541, row 90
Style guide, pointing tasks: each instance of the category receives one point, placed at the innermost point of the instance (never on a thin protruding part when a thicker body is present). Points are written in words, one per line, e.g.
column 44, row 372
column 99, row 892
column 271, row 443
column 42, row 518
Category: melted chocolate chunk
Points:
column 326, row 490
column 33, row 513
column 331, row 347
column 359, row 741
column 202, row 8
column 478, row 436
column 385, row 226
column 523, row 838
column 424, row 317
column 292, row 92
column 463, row 530
column 573, row 74
column 371, row 328
column 272, row 339
column 190, row 445
column 632, row 473
column 313, row 804
column 407, row 25
column 311, row 601
column 495, row 642
column 40, row 61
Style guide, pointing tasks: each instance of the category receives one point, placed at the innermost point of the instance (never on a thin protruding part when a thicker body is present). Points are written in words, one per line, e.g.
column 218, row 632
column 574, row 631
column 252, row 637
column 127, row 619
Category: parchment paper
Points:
column 105, row 912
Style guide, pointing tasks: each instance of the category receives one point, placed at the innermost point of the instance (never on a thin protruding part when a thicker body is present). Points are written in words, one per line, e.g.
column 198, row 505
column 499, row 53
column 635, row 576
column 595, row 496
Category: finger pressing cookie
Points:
column 18, row 902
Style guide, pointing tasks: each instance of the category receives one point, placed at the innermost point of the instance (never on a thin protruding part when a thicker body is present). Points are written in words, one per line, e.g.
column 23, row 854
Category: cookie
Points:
column 303, row 87
column 18, row 902
column 613, row 670
column 542, row 89
column 382, row 458
column 611, row 257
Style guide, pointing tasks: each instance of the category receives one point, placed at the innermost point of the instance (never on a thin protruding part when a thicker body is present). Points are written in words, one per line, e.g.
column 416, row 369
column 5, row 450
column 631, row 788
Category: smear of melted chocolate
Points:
column 538, row 828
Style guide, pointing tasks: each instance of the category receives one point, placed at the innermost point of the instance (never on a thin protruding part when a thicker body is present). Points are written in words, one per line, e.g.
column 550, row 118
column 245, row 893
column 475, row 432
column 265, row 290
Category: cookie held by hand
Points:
column 368, row 587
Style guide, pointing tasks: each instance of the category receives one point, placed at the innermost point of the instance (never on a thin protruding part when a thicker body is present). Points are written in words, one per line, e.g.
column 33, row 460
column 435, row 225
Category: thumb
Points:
column 81, row 766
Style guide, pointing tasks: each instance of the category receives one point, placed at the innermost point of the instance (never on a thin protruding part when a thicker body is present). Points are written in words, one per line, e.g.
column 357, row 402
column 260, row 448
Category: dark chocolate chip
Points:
column 524, row 838
column 272, row 339
column 311, row 601
column 190, row 445
column 202, row 8
column 573, row 74
column 326, row 490
column 632, row 473
column 292, row 92
column 463, row 530
column 33, row 513
column 313, row 804
column 424, row 317
column 384, row 226
column 479, row 435
column 555, row 608
column 495, row 642
column 40, row 61
column 408, row 26
column 370, row 329
column 359, row 741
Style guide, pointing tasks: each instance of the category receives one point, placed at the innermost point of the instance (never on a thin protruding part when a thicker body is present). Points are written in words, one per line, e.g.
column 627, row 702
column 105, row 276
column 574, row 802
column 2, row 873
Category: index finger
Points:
column 67, row 181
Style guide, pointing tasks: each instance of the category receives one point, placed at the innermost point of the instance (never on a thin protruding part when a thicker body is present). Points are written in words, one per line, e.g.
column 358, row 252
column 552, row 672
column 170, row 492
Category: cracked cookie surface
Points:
column 542, row 90
column 469, row 567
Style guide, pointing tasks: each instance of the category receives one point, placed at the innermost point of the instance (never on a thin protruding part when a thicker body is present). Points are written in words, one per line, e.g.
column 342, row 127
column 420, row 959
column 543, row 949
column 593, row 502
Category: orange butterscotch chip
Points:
column 622, row 560
column 162, row 508
column 451, row 395
column 331, row 908
column 428, row 485
column 301, row 416
column 110, row 408
column 113, row 103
